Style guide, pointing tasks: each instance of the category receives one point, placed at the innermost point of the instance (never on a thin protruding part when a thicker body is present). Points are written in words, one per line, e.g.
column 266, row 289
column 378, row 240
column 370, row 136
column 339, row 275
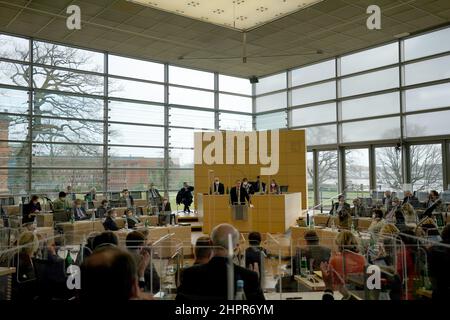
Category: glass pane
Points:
column 69, row 81
column 13, row 181
column 134, row 68
column 357, row 173
column 177, row 177
column 67, row 57
column 181, row 138
column 136, row 113
column 128, row 157
column 14, row 154
column 328, row 176
column 14, row 48
column 181, row 158
column 65, row 106
column 191, row 118
column 14, row 74
column 235, row 122
column 125, row 134
column 372, row 106
column 190, row 77
column 428, row 124
column 429, row 70
column 378, row 129
column 135, row 179
column 189, row 97
column 426, row 167
column 370, row 82
column 271, row 102
column 44, row 180
column 271, row 121
column 61, row 130
column 428, row 97
column 388, row 162
column 233, row 84
column 320, row 92
column 370, row 59
column 314, row 115
column 316, row 72
column 136, row 90
column 66, row 155
column 321, row 135
column 310, row 177
column 427, row 44
column 271, row 83
column 235, row 103
column 13, row 127
column 13, row 101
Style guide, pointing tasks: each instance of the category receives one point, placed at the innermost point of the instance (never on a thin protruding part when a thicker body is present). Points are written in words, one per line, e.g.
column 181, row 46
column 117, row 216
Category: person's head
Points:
column 434, row 195
column 408, row 193
column 128, row 212
column 254, row 238
column 105, row 203
column 106, row 238
column 62, row 195
column 258, row 178
column 152, row 185
column 387, row 193
column 389, row 229
column 34, row 199
column 93, row 190
column 112, row 213
column 311, row 237
column 345, row 240
column 408, row 209
column 125, row 192
column 396, row 201
column 445, row 234
column 185, row 185
column 245, row 181
column 165, row 200
column 69, row 189
column 220, row 236
column 377, row 214
column 216, row 180
column 77, row 203
column 28, row 243
column 356, row 202
column 203, row 249
column 341, row 198
column 134, row 240
column 238, row 183
column 273, row 183
column 109, row 274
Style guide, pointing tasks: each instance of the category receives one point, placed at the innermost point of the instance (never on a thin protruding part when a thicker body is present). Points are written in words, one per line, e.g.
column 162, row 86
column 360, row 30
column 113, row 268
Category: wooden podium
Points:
column 270, row 213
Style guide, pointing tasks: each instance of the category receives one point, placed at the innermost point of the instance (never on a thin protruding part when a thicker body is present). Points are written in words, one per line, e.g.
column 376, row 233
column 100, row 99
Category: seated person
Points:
column 106, row 238
column 314, row 253
column 102, row 210
column 409, row 197
column 409, row 213
column 203, row 250
column 30, row 210
column 339, row 206
column 254, row 254
column 439, row 265
column 217, row 187
column 111, row 274
column 347, row 260
column 209, row 281
column 259, row 186
column 79, row 212
column 377, row 221
column 274, row 188
column 132, row 220
column 61, row 204
column 358, row 208
column 126, row 199
column 135, row 243
column 165, row 210
column 342, row 210
column 109, row 223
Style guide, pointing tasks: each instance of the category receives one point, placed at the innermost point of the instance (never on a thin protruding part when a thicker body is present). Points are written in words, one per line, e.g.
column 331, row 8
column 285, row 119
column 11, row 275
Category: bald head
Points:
column 220, row 234
column 108, row 274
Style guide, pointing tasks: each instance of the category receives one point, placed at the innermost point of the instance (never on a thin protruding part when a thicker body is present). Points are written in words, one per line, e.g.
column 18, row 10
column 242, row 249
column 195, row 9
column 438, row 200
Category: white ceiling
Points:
column 122, row 27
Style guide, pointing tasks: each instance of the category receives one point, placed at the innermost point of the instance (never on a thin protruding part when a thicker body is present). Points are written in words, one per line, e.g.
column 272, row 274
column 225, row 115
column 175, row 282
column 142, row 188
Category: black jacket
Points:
column 220, row 189
column 110, row 224
column 132, row 222
column 256, row 187
column 29, row 209
column 184, row 196
column 234, row 196
column 209, row 282
column 165, row 208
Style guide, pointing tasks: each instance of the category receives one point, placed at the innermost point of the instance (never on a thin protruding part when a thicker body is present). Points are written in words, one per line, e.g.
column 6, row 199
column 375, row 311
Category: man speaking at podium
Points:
column 238, row 194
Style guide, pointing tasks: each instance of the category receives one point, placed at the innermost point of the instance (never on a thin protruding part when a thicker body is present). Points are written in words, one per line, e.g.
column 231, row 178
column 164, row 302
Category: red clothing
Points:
column 411, row 272
column 348, row 263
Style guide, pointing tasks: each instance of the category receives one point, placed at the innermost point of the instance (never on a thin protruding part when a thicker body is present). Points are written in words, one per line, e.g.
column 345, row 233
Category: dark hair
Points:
column 245, row 179
column 107, row 237
column 135, row 239
column 108, row 274
column 341, row 196
column 434, row 193
column 254, row 238
column 109, row 212
column 62, row 194
column 34, row 198
column 203, row 247
column 445, row 234
column 311, row 236
column 104, row 201
column 378, row 213
column 124, row 190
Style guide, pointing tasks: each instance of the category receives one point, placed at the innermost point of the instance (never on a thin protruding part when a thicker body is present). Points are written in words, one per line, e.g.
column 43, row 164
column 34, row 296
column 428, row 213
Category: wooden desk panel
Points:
column 77, row 232
column 44, row 219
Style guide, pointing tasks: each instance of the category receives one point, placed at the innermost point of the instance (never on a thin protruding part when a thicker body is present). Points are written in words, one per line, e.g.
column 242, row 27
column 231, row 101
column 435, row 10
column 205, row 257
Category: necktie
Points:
column 239, row 195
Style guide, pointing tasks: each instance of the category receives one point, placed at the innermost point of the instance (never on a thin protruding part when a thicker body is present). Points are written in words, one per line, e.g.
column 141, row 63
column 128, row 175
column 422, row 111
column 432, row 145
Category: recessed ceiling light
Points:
column 229, row 13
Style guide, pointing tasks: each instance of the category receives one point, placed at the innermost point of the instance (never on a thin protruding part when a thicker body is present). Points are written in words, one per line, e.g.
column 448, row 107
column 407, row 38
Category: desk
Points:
column 325, row 220
column 44, row 219
column 326, row 236
column 152, row 221
column 270, row 213
column 77, row 232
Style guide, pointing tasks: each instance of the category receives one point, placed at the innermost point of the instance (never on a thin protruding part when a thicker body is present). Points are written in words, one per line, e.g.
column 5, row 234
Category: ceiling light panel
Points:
column 240, row 15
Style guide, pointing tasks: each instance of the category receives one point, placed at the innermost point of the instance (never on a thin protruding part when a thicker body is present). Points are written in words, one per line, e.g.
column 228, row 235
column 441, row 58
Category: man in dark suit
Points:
column 126, row 199
column 79, row 213
column 259, row 186
column 209, row 281
column 184, row 196
column 217, row 187
column 409, row 197
column 238, row 194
